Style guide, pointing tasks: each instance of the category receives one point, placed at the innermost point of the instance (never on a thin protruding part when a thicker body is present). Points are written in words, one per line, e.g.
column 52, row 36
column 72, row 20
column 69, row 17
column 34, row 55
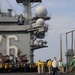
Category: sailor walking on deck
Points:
column 55, row 66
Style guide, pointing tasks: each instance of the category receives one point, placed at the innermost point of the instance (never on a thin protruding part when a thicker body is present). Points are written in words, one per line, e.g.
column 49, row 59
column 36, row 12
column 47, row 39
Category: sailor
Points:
column 7, row 63
column 38, row 64
column 60, row 66
column 55, row 66
column 72, row 63
column 42, row 67
column 49, row 65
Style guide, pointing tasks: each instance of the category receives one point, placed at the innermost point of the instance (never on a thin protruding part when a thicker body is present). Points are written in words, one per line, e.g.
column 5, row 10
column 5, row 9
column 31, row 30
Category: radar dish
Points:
column 40, row 11
column 40, row 22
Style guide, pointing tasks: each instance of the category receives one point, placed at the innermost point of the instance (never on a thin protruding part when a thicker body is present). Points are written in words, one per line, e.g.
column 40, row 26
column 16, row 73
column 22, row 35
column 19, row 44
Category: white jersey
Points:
column 54, row 63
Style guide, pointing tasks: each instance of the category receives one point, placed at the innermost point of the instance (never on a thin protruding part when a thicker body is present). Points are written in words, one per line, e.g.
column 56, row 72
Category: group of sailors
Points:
column 11, row 63
column 41, row 66
column 20, row 64
column 54, row 66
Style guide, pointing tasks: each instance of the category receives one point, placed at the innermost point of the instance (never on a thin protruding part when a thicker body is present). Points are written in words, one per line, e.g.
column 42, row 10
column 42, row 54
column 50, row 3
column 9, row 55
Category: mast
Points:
column 27, row 16
column 27, row 12
column 61, row 47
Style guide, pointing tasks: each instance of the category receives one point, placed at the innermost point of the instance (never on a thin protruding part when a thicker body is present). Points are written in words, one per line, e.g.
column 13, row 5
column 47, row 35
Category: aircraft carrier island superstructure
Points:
column 23, row 33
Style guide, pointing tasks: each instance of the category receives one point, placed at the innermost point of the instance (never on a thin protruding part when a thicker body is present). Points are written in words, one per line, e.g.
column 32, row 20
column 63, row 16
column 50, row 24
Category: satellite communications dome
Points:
column 40, row 11
column 40, row 22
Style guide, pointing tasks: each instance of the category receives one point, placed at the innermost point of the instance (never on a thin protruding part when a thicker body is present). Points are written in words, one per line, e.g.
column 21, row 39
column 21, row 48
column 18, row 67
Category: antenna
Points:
column 0, row 5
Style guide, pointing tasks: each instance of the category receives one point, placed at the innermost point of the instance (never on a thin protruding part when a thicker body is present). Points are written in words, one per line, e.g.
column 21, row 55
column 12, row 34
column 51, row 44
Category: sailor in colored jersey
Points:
column 49, row 65
column 42, row 67
column 73, row 61
column 38, row 64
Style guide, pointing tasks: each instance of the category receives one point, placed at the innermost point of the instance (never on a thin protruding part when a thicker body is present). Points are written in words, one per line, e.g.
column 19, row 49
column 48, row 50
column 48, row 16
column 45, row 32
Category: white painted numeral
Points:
column 11, row 47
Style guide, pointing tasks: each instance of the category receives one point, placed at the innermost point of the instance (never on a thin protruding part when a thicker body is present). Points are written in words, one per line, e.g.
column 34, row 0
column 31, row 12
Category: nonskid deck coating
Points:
column 34, row 74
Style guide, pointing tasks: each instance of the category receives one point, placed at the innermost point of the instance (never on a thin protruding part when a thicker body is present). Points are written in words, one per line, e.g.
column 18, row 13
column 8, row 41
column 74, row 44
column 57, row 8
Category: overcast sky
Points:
column 62, row 20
